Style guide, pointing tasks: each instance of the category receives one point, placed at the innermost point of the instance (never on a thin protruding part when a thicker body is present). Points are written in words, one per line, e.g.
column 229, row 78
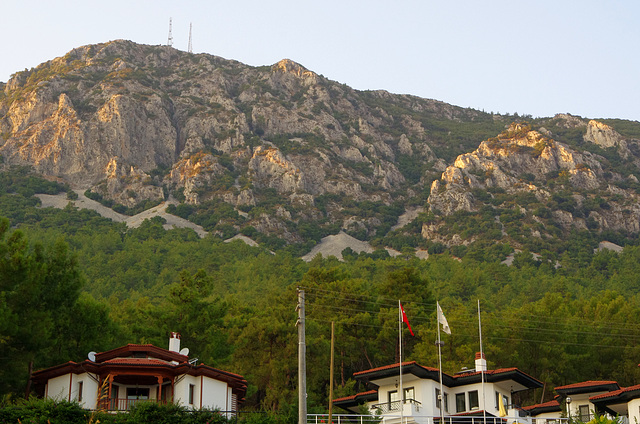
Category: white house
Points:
column 116, row 379
column 474, row 393
column 577, row 397
column 623, row 402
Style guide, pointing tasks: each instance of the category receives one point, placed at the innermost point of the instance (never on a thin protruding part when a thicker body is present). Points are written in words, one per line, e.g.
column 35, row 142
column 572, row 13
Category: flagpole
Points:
column 440, row 365
column 400, row 354
column 482, row 366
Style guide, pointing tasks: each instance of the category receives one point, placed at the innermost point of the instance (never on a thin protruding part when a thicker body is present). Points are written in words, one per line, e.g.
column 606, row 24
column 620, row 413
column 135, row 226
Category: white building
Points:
column 116, row 379
column 577, row 396
column 471, row 394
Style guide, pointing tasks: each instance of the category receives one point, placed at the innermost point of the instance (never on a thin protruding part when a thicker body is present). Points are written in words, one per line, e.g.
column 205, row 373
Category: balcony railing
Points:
column 425, row 419
column 388, row 407
column 123, row 404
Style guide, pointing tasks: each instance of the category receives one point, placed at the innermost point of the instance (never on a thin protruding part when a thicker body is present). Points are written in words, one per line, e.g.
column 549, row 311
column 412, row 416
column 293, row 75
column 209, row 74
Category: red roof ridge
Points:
column 587, row 383
column 137, row 361
column 368, row 392
column 615, row 392
column 542, row 405
column 386, row 367
column 490, row 372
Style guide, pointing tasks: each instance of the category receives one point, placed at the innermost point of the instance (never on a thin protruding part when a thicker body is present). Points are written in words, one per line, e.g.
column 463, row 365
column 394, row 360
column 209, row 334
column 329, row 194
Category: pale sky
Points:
column 537, row 57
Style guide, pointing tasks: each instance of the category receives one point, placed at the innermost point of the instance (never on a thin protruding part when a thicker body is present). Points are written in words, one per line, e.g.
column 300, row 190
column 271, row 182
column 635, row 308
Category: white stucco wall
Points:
column 581, row 400
column 214, row 394
column 58, row 389
column 89, row 390
column 633, row 410
column 542, row 418
column 425, row 393
column 181, row 393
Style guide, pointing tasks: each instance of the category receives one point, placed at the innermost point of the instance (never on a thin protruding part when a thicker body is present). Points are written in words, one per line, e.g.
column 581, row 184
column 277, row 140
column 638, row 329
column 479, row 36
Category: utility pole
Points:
column 190, row 48
column 331, row 378
column 170, row 39
column 302, row 364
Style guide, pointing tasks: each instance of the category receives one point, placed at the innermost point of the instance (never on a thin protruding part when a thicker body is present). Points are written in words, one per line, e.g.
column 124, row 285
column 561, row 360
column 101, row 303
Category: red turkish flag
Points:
column 406, row 320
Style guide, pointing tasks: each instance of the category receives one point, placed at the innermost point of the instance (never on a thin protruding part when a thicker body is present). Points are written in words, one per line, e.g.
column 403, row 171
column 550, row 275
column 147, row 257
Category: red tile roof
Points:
column 615, row 393
column 487, row 372
column 551, row 403
column 388, row 367
column 137, row 361
column 589, row 383
column 353, row 397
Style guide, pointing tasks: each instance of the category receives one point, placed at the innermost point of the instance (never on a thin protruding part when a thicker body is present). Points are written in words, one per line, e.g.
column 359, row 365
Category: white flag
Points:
column 442, row 320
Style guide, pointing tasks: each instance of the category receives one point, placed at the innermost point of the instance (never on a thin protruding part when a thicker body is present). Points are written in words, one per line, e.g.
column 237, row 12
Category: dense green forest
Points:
column 72, row 282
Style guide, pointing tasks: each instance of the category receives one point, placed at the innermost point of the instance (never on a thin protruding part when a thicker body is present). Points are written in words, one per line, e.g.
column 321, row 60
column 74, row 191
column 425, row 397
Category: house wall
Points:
column 181, row 391
column 578, row 400
column 633, row 410
column 547, row 417
column 425, row 393
column 489, row 403
column 89, row 390
column 214, row 394
column 58, row 388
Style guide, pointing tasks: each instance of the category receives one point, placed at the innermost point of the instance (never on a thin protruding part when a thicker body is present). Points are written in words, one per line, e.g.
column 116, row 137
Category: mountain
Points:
column 287, row 156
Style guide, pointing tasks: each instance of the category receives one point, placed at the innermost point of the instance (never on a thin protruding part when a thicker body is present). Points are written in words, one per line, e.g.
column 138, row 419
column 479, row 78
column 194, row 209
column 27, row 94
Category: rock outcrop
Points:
column 284, row 151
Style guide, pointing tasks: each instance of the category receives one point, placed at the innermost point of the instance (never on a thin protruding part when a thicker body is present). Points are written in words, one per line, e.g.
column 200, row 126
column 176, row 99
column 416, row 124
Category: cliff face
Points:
column 541, row 178
column 282, row 146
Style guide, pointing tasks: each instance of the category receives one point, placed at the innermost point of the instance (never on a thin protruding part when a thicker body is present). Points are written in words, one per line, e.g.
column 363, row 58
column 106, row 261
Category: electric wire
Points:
column 530, row 318
column 588, row 328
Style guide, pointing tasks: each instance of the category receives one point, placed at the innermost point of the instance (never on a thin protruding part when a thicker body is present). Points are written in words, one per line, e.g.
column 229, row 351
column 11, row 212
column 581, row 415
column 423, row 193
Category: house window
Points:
column 505, row 401
column 473, row 400
column 80, row 383
column 583, row 410
column 394, row 400
column 460, row 403
column 136, row 393
column 192, row 390
column 409, row 394
column 439, row 401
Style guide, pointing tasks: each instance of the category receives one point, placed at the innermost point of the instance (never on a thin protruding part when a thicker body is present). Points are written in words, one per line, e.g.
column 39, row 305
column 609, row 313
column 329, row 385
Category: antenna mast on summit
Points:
column 190, row 48
column 170, row 40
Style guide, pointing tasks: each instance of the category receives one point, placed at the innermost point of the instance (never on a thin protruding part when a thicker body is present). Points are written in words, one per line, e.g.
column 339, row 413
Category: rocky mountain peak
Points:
column 288, row 153
column 291, row 67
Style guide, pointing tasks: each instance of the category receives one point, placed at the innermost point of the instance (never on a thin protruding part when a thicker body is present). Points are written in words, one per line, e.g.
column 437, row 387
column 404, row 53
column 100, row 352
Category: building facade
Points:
column 117, row 379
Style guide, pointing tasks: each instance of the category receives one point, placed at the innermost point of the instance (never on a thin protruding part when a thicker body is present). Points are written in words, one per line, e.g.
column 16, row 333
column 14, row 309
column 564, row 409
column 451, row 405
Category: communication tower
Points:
column 170, row 40
column 190, row 49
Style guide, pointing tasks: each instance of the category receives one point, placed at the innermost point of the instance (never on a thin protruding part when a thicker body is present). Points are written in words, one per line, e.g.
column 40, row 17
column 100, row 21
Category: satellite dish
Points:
column 92, row 356
column 184, row 351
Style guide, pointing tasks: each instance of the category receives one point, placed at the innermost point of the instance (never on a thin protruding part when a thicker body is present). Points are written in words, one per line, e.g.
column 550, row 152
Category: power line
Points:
column 535, row 319
column 586, row 329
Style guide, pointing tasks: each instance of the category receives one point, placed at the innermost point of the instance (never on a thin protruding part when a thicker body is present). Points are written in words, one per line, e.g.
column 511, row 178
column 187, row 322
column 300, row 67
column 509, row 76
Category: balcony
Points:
column 393, row 417
column 123, row 404
column 410, row 407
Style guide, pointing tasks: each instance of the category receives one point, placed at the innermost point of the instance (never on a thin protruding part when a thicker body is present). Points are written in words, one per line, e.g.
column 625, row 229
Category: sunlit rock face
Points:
column 137, row 123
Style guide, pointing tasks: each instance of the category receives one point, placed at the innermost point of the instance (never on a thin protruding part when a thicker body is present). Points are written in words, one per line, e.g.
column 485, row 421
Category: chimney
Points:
column 174, row 342
column 481, row 362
